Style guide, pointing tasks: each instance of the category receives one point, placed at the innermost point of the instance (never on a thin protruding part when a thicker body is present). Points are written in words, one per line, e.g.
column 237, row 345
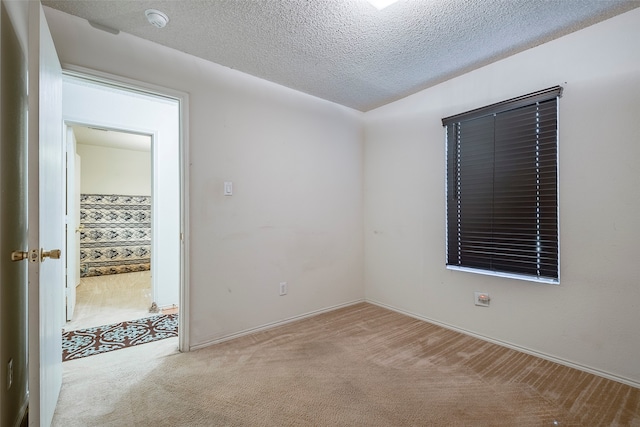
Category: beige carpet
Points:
column 102, row 300
column 357, row 366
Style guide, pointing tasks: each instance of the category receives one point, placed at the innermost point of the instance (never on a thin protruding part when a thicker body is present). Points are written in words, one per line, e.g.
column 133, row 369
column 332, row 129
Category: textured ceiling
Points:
column 347, row 51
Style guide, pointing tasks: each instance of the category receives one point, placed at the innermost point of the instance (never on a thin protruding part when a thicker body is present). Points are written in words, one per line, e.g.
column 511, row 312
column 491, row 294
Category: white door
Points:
column 72, row 275
column 45, row 220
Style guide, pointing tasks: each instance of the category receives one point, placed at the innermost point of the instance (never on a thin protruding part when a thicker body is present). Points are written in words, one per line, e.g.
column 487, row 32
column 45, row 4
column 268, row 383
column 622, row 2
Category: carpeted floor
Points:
column 358, row 366
column 102, row 300
column 101, row 339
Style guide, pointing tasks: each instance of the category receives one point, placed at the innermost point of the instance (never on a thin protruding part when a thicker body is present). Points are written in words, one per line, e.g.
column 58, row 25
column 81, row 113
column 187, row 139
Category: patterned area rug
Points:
column 101, row 339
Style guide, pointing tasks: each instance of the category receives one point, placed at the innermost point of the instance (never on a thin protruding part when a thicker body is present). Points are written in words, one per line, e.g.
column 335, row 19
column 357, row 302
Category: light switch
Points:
column 228, row 188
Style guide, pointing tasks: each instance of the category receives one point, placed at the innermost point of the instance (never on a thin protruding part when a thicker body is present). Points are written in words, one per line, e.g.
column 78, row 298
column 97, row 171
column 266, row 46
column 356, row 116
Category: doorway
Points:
column 109, row 245
column 92, row 105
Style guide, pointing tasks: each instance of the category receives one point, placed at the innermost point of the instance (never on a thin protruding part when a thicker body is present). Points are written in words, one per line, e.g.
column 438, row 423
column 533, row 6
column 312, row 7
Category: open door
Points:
column 72, row 276
column 45, row 220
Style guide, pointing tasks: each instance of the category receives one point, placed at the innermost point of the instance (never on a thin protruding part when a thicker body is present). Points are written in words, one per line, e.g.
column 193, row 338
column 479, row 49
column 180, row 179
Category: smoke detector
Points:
column 156, row 18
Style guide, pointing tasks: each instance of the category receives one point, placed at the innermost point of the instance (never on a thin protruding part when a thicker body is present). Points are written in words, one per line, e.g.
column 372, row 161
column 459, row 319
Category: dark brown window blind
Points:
column 502, row 200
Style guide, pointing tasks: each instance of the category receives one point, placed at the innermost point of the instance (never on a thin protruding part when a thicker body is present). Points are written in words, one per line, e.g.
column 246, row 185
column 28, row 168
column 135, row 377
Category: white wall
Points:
column 592, row 317
column 13, row 209
column 296, row 163
column 109, row 170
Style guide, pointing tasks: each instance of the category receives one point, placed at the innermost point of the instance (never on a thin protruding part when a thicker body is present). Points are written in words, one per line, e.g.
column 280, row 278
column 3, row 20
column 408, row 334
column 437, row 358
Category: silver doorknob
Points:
column 53, row 254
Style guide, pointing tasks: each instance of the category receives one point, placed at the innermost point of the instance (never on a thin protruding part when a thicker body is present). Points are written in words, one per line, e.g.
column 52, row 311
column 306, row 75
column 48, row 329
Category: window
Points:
column 502, row 188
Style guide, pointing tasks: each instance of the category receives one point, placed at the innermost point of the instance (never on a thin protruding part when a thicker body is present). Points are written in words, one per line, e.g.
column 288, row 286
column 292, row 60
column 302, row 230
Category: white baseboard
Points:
column 541, row 355
column 273, row 324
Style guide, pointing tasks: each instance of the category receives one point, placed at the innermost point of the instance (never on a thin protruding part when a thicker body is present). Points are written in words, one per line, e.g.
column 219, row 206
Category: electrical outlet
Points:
column 482, row 299
column 9, row 374
column 283, row 288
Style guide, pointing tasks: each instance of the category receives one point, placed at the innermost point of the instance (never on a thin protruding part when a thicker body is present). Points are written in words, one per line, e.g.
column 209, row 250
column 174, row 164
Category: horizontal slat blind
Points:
column 502, row 190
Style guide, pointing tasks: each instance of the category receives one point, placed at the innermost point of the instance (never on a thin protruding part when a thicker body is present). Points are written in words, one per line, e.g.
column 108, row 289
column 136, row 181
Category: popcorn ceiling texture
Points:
column 346, row 51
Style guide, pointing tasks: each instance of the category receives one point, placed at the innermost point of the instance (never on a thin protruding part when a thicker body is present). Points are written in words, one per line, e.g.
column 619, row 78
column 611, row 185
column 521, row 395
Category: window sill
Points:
column 543, row 280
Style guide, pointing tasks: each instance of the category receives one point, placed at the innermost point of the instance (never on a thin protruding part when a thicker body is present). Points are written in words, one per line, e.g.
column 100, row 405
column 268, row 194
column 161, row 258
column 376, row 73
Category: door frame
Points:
column 72, row 220
column 183, row 147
